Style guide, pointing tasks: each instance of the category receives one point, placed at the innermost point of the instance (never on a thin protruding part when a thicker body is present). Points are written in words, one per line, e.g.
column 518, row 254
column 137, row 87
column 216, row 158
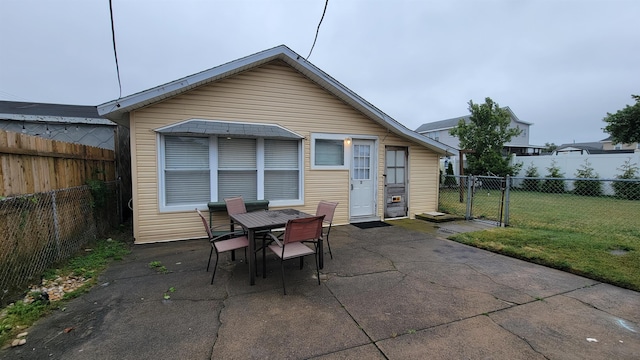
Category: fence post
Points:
column 467, row 215
column 506, row 201
column 56, row 225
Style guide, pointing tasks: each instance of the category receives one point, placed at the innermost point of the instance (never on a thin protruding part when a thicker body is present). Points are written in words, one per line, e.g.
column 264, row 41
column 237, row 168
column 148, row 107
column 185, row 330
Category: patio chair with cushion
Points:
column 236, row 205
column 296, row 233
column 327, row 209
column 223, row 243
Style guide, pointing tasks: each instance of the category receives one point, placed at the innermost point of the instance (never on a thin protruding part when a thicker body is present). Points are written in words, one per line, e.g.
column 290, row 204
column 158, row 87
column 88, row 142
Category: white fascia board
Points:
column 115, row 108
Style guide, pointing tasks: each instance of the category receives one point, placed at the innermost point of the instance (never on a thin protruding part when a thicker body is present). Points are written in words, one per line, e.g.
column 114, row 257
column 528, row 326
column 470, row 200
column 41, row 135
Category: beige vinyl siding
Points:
column 423, row 175
column 272, row 94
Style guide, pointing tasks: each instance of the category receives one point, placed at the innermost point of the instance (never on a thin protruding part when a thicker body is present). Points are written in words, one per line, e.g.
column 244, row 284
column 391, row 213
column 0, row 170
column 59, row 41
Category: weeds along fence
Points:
column 595, row 205
column 41, row 229
column 54, row 197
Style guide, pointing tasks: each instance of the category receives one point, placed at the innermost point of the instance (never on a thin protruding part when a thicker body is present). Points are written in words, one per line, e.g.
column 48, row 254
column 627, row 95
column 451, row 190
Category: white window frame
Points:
column 324, row 136
column 213, row 168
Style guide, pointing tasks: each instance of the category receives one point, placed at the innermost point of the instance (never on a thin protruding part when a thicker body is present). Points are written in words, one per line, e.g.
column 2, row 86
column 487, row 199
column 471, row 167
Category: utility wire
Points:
column 115, row 52
column 318, row 29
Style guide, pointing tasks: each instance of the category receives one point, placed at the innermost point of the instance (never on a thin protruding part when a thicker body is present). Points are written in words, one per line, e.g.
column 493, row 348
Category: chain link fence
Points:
column 41, row 229
column 601, row 207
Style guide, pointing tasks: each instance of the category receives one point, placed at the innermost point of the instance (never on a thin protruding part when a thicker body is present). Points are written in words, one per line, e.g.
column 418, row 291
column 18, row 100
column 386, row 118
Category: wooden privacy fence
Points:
column 31, row 164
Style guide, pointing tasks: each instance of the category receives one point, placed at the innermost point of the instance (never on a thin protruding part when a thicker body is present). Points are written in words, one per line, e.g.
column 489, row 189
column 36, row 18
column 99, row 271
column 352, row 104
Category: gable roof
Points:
column 583, row 146
column 450, row 123
column 589, row 148
column 118, row 110
column 31, row 111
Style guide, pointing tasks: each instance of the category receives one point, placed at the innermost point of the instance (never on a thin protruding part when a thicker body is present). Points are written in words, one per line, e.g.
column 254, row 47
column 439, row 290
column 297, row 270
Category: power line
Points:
column 115, row 52
column 318, row 29
column 10, row 95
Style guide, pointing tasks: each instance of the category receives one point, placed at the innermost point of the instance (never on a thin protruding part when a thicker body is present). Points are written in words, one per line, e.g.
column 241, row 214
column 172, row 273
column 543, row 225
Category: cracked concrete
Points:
column 389, row 293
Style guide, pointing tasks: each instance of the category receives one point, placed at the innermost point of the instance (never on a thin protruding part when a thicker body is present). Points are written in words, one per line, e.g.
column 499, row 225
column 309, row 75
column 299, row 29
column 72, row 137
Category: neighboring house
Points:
column 69, row 123
column 607, row 144
column 578, row 148
column 269, row 126
column 77, row 124
column 597, row 147
column 439, row 130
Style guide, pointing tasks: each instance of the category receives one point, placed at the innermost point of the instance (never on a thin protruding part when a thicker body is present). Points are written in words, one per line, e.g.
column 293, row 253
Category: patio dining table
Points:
column 263, row 220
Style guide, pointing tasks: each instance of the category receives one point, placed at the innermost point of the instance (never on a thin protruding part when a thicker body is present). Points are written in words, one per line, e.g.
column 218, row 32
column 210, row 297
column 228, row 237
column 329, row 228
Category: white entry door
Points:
column 363, row 173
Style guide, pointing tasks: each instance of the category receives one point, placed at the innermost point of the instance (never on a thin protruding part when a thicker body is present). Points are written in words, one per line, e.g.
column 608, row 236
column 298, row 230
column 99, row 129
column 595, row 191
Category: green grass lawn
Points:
column 564, row 231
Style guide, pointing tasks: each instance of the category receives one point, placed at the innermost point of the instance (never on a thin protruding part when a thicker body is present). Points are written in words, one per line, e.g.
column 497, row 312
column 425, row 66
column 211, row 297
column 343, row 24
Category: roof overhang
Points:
column 228, row 129
column 118, row 110
column 56, row 119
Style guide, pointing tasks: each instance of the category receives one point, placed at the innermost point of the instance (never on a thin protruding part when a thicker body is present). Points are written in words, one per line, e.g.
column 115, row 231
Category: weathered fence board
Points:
column 31, row 164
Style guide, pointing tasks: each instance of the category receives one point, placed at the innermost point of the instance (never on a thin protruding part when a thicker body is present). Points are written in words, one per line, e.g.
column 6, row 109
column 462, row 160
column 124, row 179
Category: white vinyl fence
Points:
column 606, row 165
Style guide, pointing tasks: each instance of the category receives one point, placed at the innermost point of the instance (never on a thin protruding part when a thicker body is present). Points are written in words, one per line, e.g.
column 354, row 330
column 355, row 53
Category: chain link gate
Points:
column 487, row 200
column 475, row 197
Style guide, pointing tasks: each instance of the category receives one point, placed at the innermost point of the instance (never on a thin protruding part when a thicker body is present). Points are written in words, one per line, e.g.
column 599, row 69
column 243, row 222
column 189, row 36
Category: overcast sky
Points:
column 559, row 64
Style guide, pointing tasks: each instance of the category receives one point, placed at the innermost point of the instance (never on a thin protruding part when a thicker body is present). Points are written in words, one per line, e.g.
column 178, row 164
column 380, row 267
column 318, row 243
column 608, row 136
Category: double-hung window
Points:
column 237, row 168
column 196, row 170
column 186, row 169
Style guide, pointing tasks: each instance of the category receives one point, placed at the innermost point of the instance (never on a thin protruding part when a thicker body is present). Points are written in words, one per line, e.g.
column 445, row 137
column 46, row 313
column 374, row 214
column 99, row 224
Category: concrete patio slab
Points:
column 561, row 327
column 389, row 293
column 388, row 304
column 474, row 338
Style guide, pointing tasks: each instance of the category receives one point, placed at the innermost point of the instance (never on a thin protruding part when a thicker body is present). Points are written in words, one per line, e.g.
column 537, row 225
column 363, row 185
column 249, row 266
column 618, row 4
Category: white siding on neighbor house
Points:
column 523, row 138
column 446, row 138
column 271, row 94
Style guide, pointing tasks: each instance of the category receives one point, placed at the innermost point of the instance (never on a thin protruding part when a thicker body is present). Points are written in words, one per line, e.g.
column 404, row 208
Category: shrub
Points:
column 629, row 190
column 450, row 179
column 531, row 184
column 551, row 184
column 587, row 187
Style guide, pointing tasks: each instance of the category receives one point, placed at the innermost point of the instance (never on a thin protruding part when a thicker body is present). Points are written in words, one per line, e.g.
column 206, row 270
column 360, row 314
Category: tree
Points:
column 627, row 188
column 624, row 125
column 450, row 179
column 486, row 133
column 552, row 183
column 587, row 187
column 549, row 147
column 530, row 184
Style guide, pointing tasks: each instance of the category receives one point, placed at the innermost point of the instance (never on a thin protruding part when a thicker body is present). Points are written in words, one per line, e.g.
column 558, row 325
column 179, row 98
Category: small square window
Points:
column 329, row 152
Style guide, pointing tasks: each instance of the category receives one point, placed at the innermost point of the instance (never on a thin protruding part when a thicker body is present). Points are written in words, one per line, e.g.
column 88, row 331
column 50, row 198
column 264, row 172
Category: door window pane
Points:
column 361, row 162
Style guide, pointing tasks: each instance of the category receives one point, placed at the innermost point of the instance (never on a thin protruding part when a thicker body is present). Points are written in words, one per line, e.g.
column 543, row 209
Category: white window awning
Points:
column 234, row 129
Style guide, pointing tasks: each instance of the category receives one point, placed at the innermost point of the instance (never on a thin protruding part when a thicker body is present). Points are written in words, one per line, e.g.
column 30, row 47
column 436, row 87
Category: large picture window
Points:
column 196, row 170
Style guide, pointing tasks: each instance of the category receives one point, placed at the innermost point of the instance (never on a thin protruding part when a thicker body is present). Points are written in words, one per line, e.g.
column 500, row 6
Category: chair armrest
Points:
column 227, row 235
column 274, row 238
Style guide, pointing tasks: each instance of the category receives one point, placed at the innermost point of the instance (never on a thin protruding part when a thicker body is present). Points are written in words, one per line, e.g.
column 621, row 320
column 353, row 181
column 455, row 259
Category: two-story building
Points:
column 440, row 131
